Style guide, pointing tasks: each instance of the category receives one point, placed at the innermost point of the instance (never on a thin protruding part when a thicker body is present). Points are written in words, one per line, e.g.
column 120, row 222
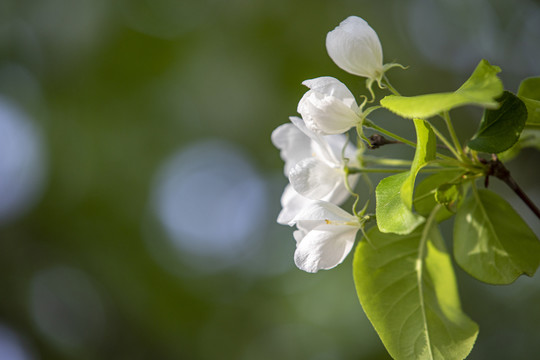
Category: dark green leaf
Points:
column 500, row 129
column 492, row 242
column 407, row 288
column 530, row 138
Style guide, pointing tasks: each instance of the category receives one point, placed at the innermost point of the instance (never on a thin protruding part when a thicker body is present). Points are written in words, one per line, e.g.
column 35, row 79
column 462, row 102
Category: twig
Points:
column 496, row 168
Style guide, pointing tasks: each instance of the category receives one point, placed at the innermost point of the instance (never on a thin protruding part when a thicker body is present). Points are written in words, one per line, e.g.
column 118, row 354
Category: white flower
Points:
column 325, row 236
column 328, row 107
column 314, row 166
column 355, row 47
column 291, row 204
column 293, row 143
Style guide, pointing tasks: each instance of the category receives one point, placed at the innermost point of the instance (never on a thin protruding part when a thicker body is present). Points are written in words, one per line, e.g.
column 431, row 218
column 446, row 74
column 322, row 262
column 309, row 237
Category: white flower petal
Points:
column 355, row 47
column 301, row 125
column 326, row 114
column 324, row 247
column 318, row 146
column 330, row 86
column 339, row 194
column 314, row 179
column 292, row 203
column 326, row 147
column 326, row 234
column 297, row 143
column 334, row 145
column 299, row 234
column 328, row 107
column 293, row 143
column 322, row 212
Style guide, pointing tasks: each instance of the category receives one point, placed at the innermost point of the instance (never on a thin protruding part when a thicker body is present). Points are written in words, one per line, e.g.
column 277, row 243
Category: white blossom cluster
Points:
column 316, row 151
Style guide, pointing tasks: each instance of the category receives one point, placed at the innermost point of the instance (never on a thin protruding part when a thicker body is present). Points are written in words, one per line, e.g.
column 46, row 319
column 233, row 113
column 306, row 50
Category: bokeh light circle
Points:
column 22, row 161
column 12, row 346
column 211, row 201
column 67, row 308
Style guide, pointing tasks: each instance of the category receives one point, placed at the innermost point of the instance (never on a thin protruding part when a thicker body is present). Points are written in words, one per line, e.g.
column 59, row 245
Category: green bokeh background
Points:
column 118, row 87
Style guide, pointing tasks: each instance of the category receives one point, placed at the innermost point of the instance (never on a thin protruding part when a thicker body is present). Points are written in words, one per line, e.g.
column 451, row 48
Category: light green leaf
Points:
column 424, row 195
column 449, row 196
column 407, row 288
column 492, row 242
column 394, row 194
column 529, row 93
column 426, row 148
column 500, row 128
column 482, row 87
column 391, row 212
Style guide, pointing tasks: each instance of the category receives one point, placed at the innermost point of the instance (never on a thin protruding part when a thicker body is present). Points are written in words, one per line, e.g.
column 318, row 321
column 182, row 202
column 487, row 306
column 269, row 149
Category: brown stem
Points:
column 497, row 169
column 377, row 140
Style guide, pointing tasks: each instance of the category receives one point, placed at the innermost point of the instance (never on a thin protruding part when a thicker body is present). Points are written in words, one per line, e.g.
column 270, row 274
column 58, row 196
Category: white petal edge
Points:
column 322, row 211
column 330, row 86
column 314, row 179
column 324, row 247
column 293, row 144
column 292, row 204
column 326, row 114
column 355, row 47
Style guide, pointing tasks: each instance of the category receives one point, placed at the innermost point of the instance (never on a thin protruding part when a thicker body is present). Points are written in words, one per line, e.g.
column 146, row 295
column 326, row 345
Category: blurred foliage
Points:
column 118, row 87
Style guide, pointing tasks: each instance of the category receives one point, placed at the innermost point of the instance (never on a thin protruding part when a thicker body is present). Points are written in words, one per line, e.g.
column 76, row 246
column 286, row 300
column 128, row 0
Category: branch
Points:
column 496, row 168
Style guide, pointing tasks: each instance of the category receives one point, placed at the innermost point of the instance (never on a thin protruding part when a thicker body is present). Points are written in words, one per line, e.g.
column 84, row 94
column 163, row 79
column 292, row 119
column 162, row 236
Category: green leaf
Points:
column 407, row 287
column 426, row 148
column 492, row 242
column 500, row 129
column 391, row 212
column 482, row 87
column 394, row 194
column 449, row 195
column 529, row 93
column 424, row 196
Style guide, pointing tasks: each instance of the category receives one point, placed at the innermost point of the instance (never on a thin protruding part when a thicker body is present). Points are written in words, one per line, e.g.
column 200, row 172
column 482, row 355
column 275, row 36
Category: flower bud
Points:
column 355, row 47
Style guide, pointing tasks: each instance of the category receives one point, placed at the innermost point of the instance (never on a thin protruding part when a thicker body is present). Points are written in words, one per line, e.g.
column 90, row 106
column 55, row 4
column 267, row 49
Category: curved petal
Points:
column 292, row 203
column 301, row 125
column 299, row 234
column 326, row 114
column 322, row 212
column 314, row 179
column 326, row 147
column 339, row 193
column 318, row 146
column 330, row 86
column 319, row 143
column 336, row 143
column 333, row 145
column 324, row 247
column 355, row 47
column 293, row 144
